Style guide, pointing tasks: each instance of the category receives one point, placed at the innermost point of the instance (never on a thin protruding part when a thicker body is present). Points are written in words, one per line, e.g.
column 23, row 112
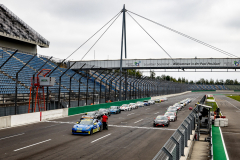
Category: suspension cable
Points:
column 94, row 34
column 154, row 40
column 189, row 37
column 101, row 35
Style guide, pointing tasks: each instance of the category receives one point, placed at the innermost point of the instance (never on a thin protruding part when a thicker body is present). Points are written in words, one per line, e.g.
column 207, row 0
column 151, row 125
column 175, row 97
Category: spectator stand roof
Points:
column 11, row 26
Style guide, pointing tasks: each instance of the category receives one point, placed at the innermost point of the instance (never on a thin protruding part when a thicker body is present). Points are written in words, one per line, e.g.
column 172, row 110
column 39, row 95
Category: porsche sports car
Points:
column 140, row 104
column 151, row 101
column 134, row 106
column 161, row 120
column 115, row 109
column 157, row 100
column 103, row 111
column 125, row 107
column 171, row 116
column 146, row 103
column 87, row 126
column 93, row 114
column 178, row 106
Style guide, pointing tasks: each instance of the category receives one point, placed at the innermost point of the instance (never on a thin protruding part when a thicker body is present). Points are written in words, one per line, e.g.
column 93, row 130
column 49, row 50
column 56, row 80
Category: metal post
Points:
column 16, row 89
column 87, row 83
column 101, row 85
column 177, row 147
column 182, row 142
column 8, row 59
column 116, row 87
column 126, row 85
column 167, row 153
column 185, row 135
column 110, row 83
column 106, row 87
column 59, row 89
column 95, row 84
column 69, row 99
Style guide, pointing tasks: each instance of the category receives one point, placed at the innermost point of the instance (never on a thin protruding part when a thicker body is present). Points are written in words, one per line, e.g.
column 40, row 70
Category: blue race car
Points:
column 115, row 109
column 87, row 126
column 146, row 103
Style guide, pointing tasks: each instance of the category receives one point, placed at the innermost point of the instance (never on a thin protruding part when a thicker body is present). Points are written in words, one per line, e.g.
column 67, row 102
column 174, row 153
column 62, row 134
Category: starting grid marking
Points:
column 120, row 126
column 60, row 122
column 142, row 127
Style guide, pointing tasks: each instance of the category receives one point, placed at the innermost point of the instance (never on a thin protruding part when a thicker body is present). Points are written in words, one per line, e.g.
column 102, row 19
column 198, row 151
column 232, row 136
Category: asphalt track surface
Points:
column 231, row 134
column 131, row 135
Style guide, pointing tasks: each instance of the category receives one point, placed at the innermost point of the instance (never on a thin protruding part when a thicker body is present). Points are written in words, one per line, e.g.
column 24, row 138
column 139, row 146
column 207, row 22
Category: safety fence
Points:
column 173, row 149
column 83, row 109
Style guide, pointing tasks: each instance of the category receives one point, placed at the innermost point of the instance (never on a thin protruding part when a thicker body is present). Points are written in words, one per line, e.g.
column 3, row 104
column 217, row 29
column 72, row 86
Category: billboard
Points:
column 187, row 63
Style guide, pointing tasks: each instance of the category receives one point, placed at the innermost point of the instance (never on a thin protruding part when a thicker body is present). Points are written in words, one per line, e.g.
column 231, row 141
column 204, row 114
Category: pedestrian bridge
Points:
column 178, row 63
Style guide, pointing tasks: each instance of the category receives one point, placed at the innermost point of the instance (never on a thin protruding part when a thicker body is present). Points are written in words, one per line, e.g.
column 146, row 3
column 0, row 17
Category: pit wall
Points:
column 83, row 109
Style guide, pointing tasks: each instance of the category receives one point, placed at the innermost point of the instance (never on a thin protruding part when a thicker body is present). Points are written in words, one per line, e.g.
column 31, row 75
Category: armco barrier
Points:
column 5, row 121
column 83, row 109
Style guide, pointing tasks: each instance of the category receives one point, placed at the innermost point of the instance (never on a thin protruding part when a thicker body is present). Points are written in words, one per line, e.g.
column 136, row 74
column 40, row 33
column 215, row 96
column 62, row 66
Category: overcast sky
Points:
column 68, row 24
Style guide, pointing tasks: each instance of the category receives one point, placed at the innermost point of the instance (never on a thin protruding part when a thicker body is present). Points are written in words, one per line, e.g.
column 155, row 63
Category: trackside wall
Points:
column 83, row 109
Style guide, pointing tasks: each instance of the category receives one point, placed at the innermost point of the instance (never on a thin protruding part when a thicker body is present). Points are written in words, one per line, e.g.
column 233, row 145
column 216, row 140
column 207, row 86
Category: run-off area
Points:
column 131, row 135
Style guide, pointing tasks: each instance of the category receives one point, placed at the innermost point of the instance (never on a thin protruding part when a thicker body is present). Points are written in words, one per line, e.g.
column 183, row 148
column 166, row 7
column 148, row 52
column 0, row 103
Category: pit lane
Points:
column 126, row 139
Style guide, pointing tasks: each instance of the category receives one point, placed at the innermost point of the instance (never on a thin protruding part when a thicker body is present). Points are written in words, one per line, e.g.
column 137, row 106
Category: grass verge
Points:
column 235, row 97
column 210, row 98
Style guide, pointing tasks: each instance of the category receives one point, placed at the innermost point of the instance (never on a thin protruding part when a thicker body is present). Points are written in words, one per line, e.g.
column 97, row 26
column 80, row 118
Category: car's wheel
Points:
column 91, row 132
column 109, row 114
column 154, row 125
column 101, row 128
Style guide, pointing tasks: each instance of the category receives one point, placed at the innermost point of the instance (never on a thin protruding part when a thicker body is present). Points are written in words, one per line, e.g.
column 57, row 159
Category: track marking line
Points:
column 138, row 121
column 123, row 122
column 60, row 122
column 230, row 133
column 142, row 127
column 224, row 144
column 233, row 105
column 32, row 145
column 101, row 138
column 156, row 113
column 12, row 136
column 147, row 108
column 130, row 114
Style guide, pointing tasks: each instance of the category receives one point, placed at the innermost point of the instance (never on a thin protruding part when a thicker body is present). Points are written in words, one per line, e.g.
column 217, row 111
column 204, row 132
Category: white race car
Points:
column 125, row 107
column 133, row 105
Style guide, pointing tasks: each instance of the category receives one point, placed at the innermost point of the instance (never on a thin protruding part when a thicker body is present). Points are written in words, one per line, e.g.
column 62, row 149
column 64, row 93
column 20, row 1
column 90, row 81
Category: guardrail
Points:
column 173, row 149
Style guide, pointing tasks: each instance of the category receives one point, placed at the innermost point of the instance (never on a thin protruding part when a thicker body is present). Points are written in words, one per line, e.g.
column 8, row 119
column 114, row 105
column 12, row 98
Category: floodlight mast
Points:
column 125, row 47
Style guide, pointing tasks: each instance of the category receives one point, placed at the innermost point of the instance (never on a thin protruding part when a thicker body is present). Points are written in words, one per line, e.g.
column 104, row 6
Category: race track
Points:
column 130, row 136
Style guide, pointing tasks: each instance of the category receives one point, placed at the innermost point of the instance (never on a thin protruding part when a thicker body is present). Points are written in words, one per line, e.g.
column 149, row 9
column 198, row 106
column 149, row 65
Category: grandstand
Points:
column 195, row 87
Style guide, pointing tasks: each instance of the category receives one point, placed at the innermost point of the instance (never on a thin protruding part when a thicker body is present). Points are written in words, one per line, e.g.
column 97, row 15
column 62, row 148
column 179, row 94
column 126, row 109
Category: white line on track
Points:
column 130, row 114
column 60, row 122
column 12, row 136
column 32, row 145
column 230, row 133
column 138, row 121
column 147, row 108
column 156, row 113
column 233, row 105
column 101, row 138
column 142, row 127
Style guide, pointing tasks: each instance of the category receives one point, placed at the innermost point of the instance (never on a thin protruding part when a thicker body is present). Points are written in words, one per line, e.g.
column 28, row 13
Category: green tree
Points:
column 152, row 74
column 236, row 82
column 211, row 81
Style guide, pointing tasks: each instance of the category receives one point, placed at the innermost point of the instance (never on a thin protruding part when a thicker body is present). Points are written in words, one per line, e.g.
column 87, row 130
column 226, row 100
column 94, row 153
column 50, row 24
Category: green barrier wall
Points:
column 83, row 109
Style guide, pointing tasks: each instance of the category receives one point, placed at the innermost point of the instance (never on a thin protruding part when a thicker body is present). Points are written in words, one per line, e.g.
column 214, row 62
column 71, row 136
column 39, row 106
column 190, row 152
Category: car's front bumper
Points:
column 74, row 131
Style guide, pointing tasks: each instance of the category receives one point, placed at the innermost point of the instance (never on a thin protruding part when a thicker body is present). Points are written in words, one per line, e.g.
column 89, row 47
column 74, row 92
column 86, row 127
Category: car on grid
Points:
column 163, row 99
column 133, row 105
column 93, row 114
column 157, row 100
column 171, row 116
column 146, row 103
column 115, row 109
column 178, row 106
column 140, row 104
column 125, row 107
column 103, row 111
column 87, row 126
column 161, row 120
column 172, row 110
column 151, row 101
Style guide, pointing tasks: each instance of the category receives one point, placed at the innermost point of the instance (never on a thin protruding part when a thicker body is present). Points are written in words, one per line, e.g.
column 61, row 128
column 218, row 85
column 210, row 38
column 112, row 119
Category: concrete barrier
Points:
column 25, row 118
column 53, row 114
column 5, row 121
column 169, row 95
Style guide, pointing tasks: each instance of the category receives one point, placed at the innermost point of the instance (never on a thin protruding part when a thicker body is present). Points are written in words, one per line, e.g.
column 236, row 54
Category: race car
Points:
column 115, row 109
column 146, row 103
column 171, row 116
column 93, row 114
column 161, row 120
column 157, row 100
column 87, row 126
column 133, row 105
column 103, row 111
column 140, row 104
column 125, row 107
column 151, row 101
